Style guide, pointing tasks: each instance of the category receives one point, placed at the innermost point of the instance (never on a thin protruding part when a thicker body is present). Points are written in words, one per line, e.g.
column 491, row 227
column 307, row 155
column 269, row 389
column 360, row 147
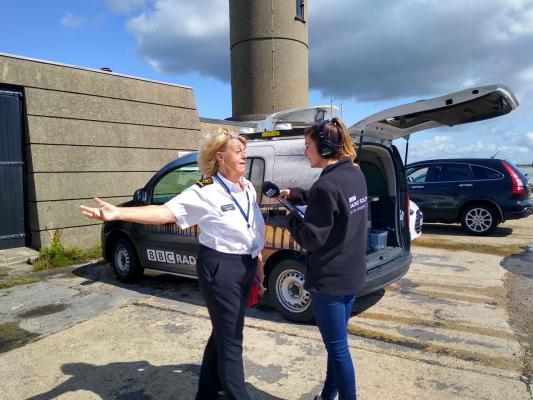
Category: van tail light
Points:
column 407, row 212
column 518, row 185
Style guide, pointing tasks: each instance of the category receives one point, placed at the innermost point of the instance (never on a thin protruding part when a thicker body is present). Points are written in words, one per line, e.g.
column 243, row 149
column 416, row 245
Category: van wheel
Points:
column 125, row 262
column 479, row 219
column 287, row 293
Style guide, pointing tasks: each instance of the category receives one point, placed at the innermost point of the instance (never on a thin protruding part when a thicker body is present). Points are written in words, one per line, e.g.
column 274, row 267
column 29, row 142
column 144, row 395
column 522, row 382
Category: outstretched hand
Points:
column 104, row 212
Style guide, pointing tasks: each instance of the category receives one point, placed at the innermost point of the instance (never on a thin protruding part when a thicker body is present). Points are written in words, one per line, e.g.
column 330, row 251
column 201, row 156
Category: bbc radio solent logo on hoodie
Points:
column 357, row 204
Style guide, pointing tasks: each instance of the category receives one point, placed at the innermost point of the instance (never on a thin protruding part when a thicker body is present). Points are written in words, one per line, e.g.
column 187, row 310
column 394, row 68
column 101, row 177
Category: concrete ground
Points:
column 451, row 329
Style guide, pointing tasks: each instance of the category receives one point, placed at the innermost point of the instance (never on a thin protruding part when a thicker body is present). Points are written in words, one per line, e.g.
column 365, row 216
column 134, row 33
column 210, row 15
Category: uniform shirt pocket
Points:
column 229, row 214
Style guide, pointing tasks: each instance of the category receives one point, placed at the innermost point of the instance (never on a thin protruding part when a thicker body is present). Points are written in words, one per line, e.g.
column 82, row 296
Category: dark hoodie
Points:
column 334, row 230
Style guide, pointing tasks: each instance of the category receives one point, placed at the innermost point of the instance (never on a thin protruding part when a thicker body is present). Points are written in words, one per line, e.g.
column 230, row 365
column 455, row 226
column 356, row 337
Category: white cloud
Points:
column 518, row 139
column 423, row 47
column 420, row 49
column 437, row 147
column 72, row 21
column 124, row 6
column 513, row 147
column 179, row 36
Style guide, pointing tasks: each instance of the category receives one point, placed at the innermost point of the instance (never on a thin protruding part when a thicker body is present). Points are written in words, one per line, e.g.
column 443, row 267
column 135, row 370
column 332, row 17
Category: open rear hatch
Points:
column 387, row 210
column 457, row 108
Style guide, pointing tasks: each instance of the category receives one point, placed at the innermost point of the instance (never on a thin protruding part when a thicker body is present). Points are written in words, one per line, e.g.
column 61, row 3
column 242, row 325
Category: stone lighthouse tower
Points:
column 269, row 56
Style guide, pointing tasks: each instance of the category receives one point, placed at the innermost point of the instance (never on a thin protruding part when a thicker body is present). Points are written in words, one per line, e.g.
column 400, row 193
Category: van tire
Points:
column 125, row 262
column 479, row 219
column 287, row 293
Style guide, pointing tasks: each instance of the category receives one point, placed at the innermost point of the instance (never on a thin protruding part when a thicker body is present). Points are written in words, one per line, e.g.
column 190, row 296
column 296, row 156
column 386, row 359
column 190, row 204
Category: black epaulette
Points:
column 205, row 181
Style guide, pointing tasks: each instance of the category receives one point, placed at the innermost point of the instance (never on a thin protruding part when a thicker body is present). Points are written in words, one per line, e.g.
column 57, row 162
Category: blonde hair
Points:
column 337, row 132
column 207, row 158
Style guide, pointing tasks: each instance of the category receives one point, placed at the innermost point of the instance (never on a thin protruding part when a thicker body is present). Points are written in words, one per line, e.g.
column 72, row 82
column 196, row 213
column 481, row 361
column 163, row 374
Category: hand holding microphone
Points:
column 284, row 194
column 271, row 190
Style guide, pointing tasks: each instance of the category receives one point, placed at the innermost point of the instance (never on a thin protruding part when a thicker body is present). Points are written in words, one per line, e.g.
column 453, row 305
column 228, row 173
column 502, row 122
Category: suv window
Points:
column 436, row 173
column 456, row 172
column 417, row 174
column 175, row 182
column 449, row 173
column 255, row 172
column 485, row 173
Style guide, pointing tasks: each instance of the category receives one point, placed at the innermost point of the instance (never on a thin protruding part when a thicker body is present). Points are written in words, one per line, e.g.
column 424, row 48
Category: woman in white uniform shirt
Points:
column 224, row 205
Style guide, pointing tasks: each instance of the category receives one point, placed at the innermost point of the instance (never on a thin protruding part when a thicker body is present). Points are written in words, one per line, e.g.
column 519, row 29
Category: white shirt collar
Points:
column 234, row 187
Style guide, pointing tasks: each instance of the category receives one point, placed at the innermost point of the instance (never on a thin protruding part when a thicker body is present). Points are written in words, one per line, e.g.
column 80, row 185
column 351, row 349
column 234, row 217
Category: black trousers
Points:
column 225, row 282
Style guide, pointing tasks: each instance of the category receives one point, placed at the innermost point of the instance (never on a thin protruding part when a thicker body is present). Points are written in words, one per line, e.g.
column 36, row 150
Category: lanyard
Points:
column 244, row 215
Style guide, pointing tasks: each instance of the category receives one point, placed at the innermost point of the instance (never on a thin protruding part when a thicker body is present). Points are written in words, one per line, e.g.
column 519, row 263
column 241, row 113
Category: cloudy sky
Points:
column 364, row 54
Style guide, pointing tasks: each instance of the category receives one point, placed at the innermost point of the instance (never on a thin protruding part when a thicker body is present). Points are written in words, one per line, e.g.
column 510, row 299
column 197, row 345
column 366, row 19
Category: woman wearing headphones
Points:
column 334, row 234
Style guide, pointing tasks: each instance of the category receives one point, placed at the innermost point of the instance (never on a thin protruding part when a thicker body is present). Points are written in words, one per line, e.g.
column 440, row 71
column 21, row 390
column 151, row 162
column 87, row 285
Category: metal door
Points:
column 12, row 228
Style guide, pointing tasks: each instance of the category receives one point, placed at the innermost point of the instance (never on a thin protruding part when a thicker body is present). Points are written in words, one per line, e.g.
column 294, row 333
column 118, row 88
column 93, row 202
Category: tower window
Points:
column 300, row 10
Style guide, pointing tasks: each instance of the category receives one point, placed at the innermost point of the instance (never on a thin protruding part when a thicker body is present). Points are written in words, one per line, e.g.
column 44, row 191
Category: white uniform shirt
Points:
column 222, row 226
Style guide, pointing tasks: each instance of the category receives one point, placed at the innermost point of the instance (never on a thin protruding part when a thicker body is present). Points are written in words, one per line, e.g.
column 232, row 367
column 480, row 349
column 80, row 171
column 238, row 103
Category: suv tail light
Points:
column 518, row 185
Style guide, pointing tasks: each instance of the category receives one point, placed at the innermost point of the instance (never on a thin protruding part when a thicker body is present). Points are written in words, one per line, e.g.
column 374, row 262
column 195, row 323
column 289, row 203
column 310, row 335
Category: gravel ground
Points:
column 520, row 307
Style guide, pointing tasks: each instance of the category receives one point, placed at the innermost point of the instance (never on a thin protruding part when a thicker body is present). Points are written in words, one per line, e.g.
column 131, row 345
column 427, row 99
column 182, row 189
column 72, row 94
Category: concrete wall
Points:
column 269, row 58
column 93, row 133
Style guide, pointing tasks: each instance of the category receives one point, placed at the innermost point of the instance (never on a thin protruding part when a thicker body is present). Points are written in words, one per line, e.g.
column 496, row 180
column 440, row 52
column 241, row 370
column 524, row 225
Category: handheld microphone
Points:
column 271, row 190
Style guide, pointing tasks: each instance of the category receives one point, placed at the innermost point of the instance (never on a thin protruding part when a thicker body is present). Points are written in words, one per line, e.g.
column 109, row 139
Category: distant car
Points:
column 416, row 219
column 478, row 193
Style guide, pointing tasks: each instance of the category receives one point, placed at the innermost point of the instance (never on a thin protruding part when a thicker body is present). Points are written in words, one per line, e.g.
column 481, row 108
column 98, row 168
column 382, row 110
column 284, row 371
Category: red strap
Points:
column 252, row 298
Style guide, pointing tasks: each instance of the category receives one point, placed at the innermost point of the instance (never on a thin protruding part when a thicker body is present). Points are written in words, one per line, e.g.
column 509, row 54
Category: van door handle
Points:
column 465, row 184
column 417, row 187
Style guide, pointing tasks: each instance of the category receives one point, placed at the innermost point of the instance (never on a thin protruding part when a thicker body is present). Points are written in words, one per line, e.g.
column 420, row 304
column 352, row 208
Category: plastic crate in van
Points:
column 378, row 239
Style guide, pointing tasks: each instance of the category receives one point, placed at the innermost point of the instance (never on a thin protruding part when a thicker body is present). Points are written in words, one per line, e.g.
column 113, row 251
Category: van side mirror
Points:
column 141, row 196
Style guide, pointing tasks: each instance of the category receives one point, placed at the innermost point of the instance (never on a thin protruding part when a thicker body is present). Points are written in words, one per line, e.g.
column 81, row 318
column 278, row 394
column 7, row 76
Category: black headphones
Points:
column 326, row 147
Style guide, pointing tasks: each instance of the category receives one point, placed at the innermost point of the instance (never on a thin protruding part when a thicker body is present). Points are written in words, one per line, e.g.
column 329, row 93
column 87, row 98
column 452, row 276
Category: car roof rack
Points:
column 275, row 134
column 289, row 123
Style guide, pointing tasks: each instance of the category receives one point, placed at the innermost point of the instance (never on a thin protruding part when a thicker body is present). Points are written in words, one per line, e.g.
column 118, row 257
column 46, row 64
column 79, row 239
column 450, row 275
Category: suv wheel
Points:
column 479, row 219
column 287, row 293
column 125, row 262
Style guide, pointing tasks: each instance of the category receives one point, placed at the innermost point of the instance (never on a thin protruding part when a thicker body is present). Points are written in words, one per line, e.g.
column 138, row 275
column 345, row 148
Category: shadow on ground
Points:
column 137, row 380
column 456, row 230
column 152, row 284
column 364, row 303
column 172, row 287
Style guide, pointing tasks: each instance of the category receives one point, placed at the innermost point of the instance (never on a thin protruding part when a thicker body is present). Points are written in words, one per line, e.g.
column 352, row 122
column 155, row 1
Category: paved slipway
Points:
column 449, row 330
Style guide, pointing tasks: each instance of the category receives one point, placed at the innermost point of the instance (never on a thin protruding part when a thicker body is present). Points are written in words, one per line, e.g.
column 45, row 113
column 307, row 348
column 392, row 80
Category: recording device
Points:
column 271, row 190
column 326, row 147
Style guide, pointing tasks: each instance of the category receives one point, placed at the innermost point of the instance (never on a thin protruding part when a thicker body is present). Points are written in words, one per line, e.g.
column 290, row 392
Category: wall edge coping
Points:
column 37, row 60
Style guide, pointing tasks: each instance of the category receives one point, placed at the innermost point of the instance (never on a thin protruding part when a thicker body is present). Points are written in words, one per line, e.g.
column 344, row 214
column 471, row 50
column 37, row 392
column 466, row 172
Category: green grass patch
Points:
column 58, row 256
column 23, row 280
column 2, row 274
